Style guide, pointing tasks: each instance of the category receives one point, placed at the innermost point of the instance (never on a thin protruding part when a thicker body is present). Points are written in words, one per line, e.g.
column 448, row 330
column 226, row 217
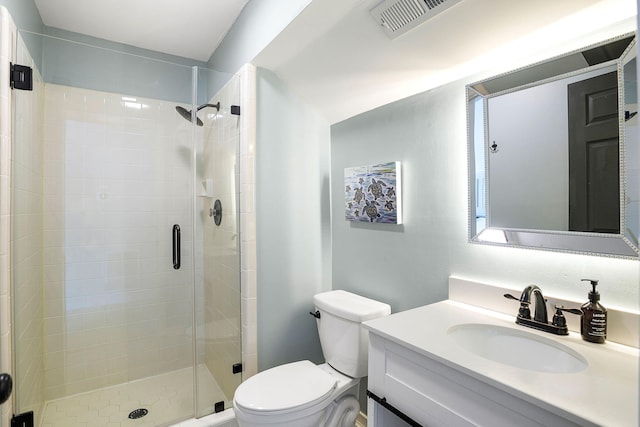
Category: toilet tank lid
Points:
column 350, row 306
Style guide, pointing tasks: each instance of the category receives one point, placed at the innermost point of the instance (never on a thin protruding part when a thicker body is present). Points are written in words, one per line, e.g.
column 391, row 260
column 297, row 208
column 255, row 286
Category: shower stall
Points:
column 124, row 241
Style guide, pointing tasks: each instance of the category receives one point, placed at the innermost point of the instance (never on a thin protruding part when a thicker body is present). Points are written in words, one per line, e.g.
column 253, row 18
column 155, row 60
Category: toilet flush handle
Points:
column 316, row 314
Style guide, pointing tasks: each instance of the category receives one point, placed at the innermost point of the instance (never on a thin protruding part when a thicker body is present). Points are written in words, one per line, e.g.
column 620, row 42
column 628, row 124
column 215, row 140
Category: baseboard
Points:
column 361, row 421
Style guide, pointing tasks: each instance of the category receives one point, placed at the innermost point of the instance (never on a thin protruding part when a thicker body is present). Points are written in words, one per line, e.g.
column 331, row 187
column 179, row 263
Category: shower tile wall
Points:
column 116, row 180
column 248, row 265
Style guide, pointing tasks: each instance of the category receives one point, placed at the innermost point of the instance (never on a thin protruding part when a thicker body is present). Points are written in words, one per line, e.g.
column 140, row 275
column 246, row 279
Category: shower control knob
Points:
column 216, row 212
column 6, row 384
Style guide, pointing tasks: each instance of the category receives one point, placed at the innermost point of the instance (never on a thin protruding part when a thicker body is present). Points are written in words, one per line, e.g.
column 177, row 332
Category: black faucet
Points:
column 540, row 319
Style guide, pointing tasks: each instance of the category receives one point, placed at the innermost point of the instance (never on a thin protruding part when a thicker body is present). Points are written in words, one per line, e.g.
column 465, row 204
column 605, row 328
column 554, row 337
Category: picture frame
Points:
column 373, row 193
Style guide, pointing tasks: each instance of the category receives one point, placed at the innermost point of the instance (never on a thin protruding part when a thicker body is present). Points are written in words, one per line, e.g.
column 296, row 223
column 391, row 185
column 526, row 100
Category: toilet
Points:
column 303, row 394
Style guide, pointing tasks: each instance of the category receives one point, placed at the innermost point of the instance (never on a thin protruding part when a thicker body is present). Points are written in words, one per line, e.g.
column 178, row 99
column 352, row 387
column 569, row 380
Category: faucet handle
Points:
column 559, row 319
column 523, row 311
column 568, row 310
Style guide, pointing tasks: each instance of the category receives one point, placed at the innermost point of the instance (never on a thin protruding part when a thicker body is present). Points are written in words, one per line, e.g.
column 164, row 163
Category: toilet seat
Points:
column 285, row 388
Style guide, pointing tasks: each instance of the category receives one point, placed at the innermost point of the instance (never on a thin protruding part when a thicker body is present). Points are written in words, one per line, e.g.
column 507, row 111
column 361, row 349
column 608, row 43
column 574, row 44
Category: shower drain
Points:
column 138, row 413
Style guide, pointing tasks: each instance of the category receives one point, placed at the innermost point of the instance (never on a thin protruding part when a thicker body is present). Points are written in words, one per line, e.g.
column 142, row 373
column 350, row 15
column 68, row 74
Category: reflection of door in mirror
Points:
column 594, row 177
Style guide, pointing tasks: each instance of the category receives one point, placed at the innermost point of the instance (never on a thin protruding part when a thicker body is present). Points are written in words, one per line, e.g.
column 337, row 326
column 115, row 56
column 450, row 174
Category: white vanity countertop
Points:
column 605, row 393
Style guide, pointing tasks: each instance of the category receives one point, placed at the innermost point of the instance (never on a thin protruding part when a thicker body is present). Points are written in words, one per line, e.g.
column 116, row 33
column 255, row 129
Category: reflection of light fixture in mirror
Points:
column 492, row 235
column 493, row 147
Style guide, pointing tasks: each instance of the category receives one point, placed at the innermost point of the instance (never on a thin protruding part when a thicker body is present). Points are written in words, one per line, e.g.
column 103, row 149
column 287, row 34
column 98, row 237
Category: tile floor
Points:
column 168, row 399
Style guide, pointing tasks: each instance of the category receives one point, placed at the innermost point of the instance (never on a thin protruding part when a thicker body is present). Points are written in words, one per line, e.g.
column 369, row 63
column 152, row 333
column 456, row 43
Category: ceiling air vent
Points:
column 396, row 17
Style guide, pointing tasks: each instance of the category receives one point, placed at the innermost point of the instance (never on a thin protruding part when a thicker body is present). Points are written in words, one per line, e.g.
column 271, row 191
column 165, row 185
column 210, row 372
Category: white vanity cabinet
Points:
column 417, row 369
column 433, row 394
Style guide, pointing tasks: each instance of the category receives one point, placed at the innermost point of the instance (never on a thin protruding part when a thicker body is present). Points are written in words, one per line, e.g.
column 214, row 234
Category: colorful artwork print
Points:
column 372, row 193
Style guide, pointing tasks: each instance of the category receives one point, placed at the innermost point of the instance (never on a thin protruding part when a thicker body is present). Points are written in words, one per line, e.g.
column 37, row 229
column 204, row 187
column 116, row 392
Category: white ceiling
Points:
column 188, row 28
column 335, row 56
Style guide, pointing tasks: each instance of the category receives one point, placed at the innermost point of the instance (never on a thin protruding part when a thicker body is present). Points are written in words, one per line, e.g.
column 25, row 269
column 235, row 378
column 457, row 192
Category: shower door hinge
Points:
column 237, row 368
column 235, row 110
column 23, row 420
column 21, row 77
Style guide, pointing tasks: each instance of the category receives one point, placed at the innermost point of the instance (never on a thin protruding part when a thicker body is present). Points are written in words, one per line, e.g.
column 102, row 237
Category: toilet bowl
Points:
column 302, row 394
column 298, row 394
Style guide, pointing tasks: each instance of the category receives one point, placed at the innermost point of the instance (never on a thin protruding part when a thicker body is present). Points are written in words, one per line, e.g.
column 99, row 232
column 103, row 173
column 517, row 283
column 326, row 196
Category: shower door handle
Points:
column 176, row 246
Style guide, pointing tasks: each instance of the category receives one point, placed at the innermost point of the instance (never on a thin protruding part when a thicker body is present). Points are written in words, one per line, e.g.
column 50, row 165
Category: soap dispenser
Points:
column 593, row 327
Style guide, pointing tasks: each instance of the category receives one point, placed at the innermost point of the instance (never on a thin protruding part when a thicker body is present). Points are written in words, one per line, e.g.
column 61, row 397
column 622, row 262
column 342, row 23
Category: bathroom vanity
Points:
column 453, row 364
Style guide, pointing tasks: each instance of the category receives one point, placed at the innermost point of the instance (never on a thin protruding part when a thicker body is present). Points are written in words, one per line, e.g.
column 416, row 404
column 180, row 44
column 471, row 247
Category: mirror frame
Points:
column 599, row 244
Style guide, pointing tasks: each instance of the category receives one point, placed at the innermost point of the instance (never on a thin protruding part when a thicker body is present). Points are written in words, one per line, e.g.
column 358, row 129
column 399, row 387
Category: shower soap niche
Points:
column 206, row 188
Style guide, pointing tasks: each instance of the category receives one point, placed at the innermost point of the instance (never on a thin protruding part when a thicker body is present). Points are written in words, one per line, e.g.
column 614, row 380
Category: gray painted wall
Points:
column 26, row 17
column 403, row 265
column 258, row 24
column 120, row 47
column 292, row 223
column 24, row 14
column 82, row 61
column 408, row 265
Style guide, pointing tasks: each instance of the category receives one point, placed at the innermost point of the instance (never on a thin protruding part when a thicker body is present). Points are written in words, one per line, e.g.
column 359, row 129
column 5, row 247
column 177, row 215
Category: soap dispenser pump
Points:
column 593, row 327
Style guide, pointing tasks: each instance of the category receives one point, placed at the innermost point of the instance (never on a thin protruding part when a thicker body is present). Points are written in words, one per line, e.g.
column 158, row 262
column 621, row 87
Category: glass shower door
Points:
column 104, row 169
column 27, row 241
column 218, row 346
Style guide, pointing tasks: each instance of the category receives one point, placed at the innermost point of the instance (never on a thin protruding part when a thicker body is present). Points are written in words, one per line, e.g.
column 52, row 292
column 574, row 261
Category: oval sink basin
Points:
column 517, row 348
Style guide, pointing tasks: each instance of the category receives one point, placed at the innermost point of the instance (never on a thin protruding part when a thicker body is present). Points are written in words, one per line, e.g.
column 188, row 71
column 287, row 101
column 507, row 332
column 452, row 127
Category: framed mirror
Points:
column 554, row 156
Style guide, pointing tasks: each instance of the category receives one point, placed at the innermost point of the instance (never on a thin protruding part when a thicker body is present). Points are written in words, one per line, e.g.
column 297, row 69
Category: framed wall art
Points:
column 373, row 193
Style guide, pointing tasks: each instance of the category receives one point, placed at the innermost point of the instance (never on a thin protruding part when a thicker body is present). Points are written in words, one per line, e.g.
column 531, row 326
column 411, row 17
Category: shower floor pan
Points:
column 166, row 398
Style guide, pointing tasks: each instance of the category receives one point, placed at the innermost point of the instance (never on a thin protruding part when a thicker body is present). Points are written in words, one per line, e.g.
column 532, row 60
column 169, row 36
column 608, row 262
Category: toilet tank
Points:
column 345, row 343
